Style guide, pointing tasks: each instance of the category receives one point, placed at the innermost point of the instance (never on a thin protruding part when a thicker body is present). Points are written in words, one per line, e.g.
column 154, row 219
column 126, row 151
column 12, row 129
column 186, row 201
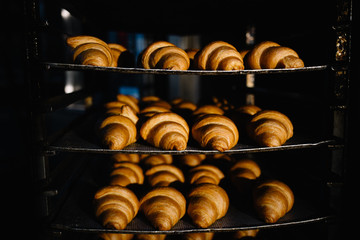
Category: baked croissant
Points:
column 164, row 55
column 207, row 203
column 116, row 236
column 199, row 236
column 208, row 109
column 215, row 132
column 218, row 55
column 163, row 207
column 166, row 130
column 154, row 160
column 129, row 100
column 125, row 173
column 115, row 206
column 191, row 160
column 90, row 50
column 243, row 173
column 123, row 157
column 272, row 200
column 242, row 115
column 118, row 132
column 124, row 110
column 270, row 128
column 270, row 55
column 205, row 174
column 164, row 175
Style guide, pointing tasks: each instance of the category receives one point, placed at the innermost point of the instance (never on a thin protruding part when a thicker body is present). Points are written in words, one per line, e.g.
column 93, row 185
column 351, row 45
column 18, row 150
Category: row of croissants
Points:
column 164, row 202
column 168, row 125
column 216, row 55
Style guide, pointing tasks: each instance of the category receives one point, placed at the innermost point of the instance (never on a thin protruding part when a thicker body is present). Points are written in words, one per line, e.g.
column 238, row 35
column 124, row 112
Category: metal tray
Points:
column 77, row 213
column 79, row 67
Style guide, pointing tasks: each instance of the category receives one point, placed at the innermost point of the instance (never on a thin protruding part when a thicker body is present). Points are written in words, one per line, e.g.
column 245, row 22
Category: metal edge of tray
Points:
column 79, row 67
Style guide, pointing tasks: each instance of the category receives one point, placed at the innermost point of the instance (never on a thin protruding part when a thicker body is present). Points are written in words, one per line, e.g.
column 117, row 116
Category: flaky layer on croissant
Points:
column 218, row 55
column 153, row 160
column 164, row 55
column 163, row 207
column 205, row 174
column 270, row 128
column 208, row 109
column 164, row 175
column 191, row 160
column 90, row 50
column 215, row 132
column 207, row 203
column 124, row 110
column 166, row 130
column 269, row 55
column 118, row 132
column 125, row 173
column 129, row 100
column 272, row 200
column 115, row 206
column 243, row 173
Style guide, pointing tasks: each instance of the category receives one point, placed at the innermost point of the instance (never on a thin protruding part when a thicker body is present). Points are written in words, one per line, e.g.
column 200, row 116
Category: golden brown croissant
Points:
column 191, row 160
column 154, row 160
column 272, row 200
column 191, row 52
column 243, row 173
column 242, row 115
column 218, row 55
column 129, row 100
column 246, row 233
column 205, row 174
column 90, row 50
column 166, row 130
column 118, row 132
column 208, row 109
column 163, row 207
column 164, row 55
column 125, row 173
column 199, row 236
column 116, row 236
column 207, row 203
column 270, row 128
column 123, row 157
column 124, row 110
column 150, row 236
column 215, row 132
column 270, row 55
column 115, row 206
column 164, row 175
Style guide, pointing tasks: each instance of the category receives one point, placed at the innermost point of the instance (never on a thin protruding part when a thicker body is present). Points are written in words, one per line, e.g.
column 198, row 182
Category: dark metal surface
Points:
column 79, row 67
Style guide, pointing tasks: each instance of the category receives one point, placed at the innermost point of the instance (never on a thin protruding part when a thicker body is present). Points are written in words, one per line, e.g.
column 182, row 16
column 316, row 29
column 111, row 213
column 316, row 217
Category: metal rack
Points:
column 71, row 217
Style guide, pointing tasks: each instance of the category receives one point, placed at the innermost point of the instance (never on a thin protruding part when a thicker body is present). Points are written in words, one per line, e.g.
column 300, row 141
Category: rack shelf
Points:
column 77, row 214
column 79, row 67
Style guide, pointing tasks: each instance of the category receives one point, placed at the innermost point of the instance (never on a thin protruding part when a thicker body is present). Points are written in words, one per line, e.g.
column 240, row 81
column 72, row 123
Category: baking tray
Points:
column 77, row 213
column 79, row 67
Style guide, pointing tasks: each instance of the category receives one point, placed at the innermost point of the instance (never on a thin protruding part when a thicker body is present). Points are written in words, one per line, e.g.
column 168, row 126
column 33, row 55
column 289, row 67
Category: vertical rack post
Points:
column 34, row 81
column 250, row 78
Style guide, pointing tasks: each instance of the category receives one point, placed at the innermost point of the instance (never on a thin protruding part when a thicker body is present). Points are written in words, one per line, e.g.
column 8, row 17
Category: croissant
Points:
column 116, row 236
column 166, row 130
column 207, row 203
column 205, row 174
column 123, row 157
column 125, row 173
column 164, row 175
column 270, row 55
column 218, row 55
column 199, row 236
column 208, row 109
column 252, row 233
column 125, row 111
column 272, row 200
column 154, row 160
column 215, row 132
column 164, row 55
column 243, row 173
column 191, row 52
column 191, row 160
column 270, row 128
column 163, row 207
column 90, row 50
column 115, row 206
column 118, row 132
column 129, row 100
column 242, row 115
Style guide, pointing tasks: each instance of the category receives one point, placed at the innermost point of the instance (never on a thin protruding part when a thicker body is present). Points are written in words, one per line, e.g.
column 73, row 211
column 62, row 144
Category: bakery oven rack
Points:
column 74, row 209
